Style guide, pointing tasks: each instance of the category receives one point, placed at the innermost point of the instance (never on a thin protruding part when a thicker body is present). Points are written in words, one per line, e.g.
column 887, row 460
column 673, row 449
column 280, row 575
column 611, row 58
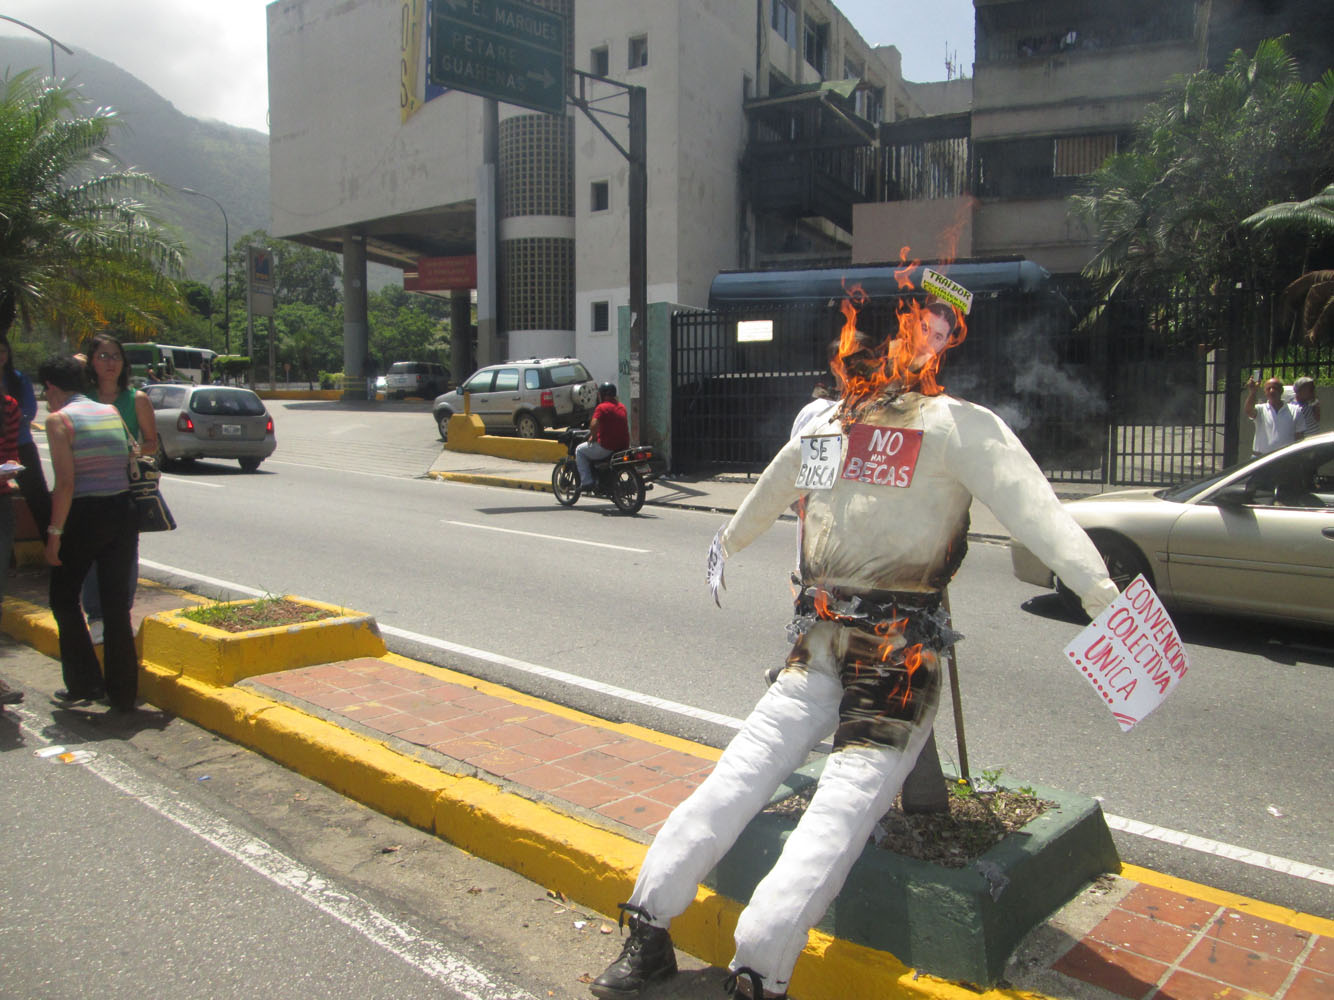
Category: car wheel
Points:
column 565, row 482
column 162, row 459
column 627, row 491
column 249, row 464
column 527, row 426
column 1124, row 562
column 442, row 421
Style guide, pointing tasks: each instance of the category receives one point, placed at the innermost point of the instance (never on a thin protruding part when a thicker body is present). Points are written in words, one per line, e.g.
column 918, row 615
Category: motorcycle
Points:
column 623, row 476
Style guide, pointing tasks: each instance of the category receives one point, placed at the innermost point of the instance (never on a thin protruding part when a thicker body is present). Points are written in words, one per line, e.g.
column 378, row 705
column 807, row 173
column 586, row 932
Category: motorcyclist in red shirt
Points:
column 609, row 432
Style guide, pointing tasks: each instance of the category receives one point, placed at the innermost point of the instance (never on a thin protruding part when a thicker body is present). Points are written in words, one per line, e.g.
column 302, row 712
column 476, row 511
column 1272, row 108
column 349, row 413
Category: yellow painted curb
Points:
column 31, row 624
column 467, row 434
column 1308, row 922
column 298, row 394
column 216, row 656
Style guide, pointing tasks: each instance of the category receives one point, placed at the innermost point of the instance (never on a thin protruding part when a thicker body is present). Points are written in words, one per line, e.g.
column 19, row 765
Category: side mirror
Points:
column 1233, row 495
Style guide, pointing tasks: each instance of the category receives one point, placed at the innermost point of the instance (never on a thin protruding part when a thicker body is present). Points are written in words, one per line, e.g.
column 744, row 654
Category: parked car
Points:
column 416, row 378
column 523, row 396
column 211, row 421
column 1254, row 540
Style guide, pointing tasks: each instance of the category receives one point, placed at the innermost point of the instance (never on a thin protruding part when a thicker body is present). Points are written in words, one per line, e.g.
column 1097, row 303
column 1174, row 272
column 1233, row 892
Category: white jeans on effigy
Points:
column 856, row 788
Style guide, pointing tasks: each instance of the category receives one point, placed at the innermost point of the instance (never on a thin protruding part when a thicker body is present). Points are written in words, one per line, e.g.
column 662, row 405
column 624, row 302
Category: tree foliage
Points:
column 78, row 250
column 1217, row 148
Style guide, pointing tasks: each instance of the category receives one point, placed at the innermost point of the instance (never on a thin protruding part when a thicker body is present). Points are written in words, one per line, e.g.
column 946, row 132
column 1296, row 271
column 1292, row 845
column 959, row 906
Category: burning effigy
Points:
column 882, row 480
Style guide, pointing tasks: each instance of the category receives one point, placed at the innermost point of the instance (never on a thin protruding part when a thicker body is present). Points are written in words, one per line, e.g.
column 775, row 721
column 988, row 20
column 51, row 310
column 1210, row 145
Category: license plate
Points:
column 643, row 468
column 231, row 430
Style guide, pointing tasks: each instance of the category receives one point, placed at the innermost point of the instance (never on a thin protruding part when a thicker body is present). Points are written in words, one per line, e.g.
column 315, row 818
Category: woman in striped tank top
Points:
column 92, row 520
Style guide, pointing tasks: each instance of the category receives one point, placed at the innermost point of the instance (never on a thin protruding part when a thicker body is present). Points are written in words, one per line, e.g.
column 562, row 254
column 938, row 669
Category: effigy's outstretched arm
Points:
column 996, row 468
column 772, row 494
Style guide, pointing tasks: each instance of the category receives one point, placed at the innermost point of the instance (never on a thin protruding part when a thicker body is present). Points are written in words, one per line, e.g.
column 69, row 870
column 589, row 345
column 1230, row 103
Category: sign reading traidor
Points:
column 1131, row 654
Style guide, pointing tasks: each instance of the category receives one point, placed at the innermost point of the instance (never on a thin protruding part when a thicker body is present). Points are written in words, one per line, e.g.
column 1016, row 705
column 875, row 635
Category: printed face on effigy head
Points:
column 933, row 334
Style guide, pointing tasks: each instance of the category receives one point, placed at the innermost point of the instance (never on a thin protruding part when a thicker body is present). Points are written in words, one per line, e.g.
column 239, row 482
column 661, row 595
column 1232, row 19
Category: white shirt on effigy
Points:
column 880, row 537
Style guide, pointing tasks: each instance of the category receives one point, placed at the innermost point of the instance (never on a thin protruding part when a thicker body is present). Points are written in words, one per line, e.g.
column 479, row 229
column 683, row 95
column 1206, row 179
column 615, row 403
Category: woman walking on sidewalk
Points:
column 92, row 520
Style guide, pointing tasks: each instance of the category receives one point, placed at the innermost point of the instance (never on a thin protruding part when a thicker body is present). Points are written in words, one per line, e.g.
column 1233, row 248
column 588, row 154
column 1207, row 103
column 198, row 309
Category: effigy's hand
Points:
column 715, row 567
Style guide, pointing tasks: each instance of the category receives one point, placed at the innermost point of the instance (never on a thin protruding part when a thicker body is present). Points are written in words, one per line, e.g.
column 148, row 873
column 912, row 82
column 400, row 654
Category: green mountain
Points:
column 228, row 163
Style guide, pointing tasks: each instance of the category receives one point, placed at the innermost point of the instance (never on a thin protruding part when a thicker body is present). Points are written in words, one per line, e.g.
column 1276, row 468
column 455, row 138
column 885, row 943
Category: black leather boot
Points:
column 646, row 956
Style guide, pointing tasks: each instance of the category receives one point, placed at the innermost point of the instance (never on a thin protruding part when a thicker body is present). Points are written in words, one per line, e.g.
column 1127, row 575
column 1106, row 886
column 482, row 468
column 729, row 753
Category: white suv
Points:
column 415, row 378
column 523, row 396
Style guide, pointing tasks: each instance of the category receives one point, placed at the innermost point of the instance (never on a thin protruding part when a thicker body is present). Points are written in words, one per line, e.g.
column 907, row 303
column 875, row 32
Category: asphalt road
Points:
column 163, row 861
column 567, row 602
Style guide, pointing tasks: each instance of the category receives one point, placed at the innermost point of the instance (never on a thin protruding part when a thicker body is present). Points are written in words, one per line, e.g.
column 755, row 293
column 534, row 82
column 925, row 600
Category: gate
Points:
column 1127, row 395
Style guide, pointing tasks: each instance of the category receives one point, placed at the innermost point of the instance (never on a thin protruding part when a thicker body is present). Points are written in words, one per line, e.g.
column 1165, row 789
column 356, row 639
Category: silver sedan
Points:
column 1255, row 540
column 211, row 421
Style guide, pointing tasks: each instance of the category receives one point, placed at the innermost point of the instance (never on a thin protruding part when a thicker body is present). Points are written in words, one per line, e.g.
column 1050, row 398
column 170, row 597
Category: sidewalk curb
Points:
column 593, row 865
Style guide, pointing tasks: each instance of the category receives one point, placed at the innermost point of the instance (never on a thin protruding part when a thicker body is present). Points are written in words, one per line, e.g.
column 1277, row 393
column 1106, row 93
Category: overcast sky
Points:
column 208, row 57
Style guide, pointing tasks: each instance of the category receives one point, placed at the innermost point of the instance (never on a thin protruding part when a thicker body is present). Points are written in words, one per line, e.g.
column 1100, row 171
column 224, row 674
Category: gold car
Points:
column 1255, row 540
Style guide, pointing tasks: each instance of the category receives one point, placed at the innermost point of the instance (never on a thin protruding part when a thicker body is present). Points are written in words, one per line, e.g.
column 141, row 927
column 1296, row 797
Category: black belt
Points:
column 926, row 621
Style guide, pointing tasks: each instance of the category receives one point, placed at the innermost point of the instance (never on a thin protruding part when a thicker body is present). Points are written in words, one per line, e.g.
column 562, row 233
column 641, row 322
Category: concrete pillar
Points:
column 460, row 342
column 356, row 332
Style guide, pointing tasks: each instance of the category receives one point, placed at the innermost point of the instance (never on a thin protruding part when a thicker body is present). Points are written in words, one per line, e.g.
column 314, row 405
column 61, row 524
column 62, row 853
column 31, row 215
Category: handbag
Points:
column 151, row 511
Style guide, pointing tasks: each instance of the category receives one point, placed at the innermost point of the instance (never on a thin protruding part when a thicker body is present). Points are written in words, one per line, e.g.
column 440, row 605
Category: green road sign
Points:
column 507, row 50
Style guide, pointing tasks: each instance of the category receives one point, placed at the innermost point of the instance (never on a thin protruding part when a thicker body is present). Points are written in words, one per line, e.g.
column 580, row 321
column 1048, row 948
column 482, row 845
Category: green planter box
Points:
column 955, row 923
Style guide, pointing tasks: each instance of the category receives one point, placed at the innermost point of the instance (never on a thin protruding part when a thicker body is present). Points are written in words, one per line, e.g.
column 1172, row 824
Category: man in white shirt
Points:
column 1275, row 421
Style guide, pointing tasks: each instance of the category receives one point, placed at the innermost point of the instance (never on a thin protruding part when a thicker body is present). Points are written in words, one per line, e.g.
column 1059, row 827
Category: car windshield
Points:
column 231, row 402
column 570, row 374
column 169, row 398
column 405, row 368
column 1182, row 492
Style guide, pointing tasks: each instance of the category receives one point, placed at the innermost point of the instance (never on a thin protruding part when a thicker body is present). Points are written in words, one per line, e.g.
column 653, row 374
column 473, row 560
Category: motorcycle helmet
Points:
column 607, row 390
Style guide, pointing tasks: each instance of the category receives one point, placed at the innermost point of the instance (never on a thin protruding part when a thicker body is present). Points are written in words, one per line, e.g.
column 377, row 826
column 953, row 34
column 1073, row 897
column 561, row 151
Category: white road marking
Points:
column 1284, row 866
column 191, row 481
column 550, row 538
column 404, row 941
column 1231, row 852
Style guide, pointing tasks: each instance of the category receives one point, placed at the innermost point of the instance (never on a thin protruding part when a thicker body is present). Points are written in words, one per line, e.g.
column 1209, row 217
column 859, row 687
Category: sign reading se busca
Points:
column 508, row 50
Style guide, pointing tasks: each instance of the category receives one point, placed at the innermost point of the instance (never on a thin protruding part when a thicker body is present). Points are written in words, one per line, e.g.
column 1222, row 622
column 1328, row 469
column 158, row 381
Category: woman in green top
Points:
column 109, row 382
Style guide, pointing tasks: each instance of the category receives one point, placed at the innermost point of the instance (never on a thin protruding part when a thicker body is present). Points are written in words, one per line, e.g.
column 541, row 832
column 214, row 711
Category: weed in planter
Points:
column 265, row 612
column 980, row 816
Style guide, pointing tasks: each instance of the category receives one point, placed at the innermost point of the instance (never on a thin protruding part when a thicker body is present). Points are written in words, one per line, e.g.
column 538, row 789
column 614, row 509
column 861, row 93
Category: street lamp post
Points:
column 39, row 31
column 226, row 271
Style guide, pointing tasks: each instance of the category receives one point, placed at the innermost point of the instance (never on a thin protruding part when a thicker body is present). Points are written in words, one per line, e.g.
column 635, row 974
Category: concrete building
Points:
column 761, row 126
column 1057, row 87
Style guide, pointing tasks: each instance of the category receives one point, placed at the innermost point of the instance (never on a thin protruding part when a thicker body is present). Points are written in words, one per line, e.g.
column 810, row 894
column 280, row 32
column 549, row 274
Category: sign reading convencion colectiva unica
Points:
column 1131, row 654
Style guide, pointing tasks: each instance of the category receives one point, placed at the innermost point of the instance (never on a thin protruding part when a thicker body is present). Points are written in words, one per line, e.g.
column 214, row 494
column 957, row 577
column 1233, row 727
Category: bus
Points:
column 174, row 364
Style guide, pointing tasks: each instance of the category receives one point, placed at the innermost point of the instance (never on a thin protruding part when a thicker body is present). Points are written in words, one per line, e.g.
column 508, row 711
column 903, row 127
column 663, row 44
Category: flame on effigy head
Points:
column 910, row 360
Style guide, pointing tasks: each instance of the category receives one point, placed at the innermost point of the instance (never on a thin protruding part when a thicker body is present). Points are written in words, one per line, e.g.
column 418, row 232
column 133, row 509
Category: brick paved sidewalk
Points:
column 561, row 754
column 1159, row 944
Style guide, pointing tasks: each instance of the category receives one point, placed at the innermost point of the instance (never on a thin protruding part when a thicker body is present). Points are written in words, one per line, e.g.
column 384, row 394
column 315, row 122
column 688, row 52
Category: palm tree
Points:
column 77, row 249
column 1168, row 213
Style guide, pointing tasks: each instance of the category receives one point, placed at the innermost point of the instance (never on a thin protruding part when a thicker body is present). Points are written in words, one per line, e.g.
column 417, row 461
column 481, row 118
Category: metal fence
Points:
column 1141, row 393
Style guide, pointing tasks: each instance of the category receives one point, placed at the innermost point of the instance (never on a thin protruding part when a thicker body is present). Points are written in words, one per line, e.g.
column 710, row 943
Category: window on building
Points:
column 599, row 61
column 601, row 317
column 852, row 69
column 638, row 52
column 870, row 102
column 599, row 196
column 815, row 47
column 783, row 17
column 1077, row 155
